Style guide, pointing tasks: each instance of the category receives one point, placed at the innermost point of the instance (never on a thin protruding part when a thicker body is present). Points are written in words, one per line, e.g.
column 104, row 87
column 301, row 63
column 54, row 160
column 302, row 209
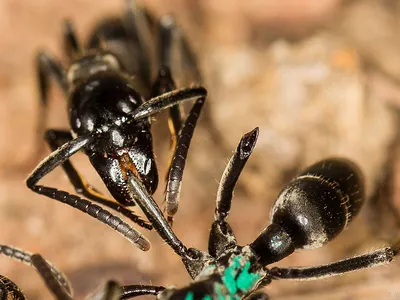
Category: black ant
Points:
column 110, row 118
column 310, row 211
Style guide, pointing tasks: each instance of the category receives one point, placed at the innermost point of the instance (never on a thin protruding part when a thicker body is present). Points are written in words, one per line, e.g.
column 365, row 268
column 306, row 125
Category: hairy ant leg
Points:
column 372, row 259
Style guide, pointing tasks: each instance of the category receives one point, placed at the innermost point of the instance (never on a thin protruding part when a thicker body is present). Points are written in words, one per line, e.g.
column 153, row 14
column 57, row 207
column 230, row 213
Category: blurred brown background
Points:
column 319, row 78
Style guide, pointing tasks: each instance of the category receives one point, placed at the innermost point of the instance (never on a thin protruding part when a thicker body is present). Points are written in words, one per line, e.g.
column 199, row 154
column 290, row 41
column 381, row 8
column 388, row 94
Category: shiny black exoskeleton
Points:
column 101, row 106
column 309, row 212
column 109, row 109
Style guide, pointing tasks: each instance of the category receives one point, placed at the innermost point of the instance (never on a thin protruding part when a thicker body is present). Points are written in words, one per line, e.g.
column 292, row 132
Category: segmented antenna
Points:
column 99, row 213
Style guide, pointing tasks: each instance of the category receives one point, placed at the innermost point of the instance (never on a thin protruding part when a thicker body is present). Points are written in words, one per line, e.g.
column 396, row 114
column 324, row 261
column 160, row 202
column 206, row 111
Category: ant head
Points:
column 312, row 209
column 101, row 107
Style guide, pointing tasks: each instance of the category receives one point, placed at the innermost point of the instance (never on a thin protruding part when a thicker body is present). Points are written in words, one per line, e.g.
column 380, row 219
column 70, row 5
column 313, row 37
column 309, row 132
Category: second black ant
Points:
column 310, row 211
column 109, row 112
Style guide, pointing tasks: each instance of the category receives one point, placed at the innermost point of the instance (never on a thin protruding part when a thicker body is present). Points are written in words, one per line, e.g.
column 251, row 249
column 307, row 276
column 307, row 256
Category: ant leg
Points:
column 221, row 234
column 50, row 280
column 56, row 138
column 131, row 291
column 72, row 46
column 137, row 28
column 160, row 103
column 9, row 290
column 189, row 57
column 373, row 259
column 47, row 67
column 58, row 157
column 164, row 82
column 27, row 258
column 175, row 173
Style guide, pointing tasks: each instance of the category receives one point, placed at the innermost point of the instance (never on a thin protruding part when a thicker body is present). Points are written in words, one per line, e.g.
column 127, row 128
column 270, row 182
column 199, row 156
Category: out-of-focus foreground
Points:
column 320, row 78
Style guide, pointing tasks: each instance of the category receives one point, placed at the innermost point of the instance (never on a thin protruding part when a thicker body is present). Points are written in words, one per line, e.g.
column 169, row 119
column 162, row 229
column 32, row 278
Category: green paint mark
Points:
column 229, row 277
column 235, row 282
column 207, row 298
column 245, row 279
column 189, row 296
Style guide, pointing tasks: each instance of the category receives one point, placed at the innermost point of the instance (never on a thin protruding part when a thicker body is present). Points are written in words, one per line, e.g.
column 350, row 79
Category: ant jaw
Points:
column 272, row 245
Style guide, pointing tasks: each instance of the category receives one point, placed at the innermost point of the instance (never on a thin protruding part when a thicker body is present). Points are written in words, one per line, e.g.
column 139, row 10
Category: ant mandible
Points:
column 110, row 119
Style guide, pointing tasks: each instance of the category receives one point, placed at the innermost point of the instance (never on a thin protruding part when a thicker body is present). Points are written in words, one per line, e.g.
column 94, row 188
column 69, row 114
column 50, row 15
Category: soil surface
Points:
column 319, row 78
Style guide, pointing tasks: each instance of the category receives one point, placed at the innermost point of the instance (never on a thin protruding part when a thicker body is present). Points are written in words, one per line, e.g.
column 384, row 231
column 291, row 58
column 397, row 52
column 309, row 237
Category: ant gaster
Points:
column 110, row 118
column 310, row 211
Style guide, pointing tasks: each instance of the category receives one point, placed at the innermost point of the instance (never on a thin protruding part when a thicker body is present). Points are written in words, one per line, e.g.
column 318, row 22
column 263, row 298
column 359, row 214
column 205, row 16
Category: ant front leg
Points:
column 171, row 37
column 57, row 138
column 181, row 133
column 178, row 161
column 160, row 103
column 221, row 234
column 164, row 82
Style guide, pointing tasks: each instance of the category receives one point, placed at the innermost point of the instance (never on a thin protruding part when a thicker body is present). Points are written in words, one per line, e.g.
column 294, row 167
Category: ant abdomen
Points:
column 319, row 203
